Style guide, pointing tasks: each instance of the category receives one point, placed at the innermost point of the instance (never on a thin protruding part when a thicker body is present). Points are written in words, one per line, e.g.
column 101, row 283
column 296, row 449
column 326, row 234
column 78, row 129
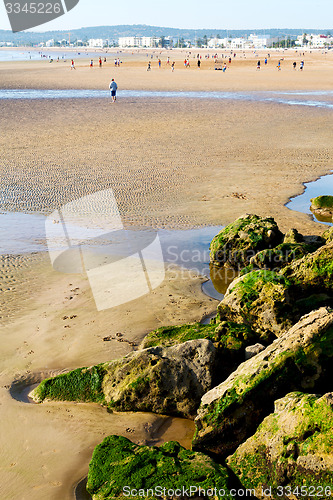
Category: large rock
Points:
column 302, row 359
column 167, row 380
column 292, row 449
column 122, row 469
column 242, row 239
column 313, row 272
column 229, row 338
column 281, row 255
column 322, row 205
column 261, row 300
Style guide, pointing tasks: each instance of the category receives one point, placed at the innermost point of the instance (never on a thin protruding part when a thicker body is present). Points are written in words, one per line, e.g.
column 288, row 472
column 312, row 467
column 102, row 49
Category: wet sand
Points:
column 171, row 163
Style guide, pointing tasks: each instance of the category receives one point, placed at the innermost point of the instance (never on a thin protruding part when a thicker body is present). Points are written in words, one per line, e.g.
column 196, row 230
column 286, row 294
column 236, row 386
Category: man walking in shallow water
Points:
column 113, row 90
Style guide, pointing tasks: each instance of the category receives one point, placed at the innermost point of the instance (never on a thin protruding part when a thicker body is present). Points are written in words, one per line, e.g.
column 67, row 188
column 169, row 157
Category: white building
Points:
column 138, row 41
column 314, row 41
column 97, row 42
column 49, row 43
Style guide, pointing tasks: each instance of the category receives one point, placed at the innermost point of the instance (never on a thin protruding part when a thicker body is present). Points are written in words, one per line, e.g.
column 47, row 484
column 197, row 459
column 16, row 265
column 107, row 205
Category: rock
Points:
column 261, row 300
column 313, row 272
column 167, row 380
column 242, row 239
column 322, row 205
column 328, row 235
column 299, row 360
column 293, row 236
column 281, row 255
column 292, row 447
column 253, row 350
column 230, row 340
column 117, row 463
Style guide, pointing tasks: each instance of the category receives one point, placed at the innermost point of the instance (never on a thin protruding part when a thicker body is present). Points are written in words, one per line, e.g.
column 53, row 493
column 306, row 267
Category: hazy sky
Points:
column 228, row 14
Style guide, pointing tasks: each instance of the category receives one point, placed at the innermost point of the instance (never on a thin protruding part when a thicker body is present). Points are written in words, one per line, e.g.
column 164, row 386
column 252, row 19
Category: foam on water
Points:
column 297, row 98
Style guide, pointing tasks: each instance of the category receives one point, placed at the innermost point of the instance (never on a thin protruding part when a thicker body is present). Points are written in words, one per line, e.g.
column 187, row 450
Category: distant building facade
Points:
column 144, row 41
column 314, row 41
column 97, row 42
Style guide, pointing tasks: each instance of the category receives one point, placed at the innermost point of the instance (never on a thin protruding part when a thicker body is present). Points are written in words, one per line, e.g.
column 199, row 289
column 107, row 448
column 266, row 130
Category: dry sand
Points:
column 171, row 163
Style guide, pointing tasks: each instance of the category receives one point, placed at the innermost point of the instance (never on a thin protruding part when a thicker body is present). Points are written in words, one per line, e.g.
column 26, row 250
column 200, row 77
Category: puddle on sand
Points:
column 302, row 202
column 80, row 492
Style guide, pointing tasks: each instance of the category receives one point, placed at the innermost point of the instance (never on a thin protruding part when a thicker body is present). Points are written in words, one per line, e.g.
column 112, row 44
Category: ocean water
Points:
column 320, row 99
column 302, row 202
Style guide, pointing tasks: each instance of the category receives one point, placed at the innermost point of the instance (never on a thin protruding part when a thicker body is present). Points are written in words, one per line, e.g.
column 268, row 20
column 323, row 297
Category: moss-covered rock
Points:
column 292, row 448
column 328, row 235
column 322, row 205
column 281, row 255
column 230, row 340
column 293, row 236
column 122, row 469
column 167, row 380
column 261, row 300
column 313, row 272
column 302, row 359
column 242, row 239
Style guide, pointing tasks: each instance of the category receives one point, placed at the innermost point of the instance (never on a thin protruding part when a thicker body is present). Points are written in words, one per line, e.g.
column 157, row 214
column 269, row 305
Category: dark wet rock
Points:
column 292, row 447
column 117, row 462
column 168, row 380
column 300, row 360
column 242, row 239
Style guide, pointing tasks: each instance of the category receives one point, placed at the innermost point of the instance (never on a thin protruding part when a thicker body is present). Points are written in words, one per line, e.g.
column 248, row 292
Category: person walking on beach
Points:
column 258, row 64
column 100, row 62
column 279, row 66
column 113, row 90
column 294, row 65
column 173, row 66
column 265, row 61
column 149, row 66
column 301, row 66
column 199, row 63
column 159, row 63
column 72, row 65
column 91, row 63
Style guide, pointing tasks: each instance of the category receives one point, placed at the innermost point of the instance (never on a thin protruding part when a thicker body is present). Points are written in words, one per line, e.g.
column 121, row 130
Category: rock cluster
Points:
column 257, row 379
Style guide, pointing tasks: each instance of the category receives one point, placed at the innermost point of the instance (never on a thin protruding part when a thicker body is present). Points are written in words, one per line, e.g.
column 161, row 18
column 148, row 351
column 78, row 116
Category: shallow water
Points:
column 320, row 99
column 189, row 249
column 302, row 202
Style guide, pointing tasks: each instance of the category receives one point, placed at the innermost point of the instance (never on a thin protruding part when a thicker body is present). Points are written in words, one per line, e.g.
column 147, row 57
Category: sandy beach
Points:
column 172, row 163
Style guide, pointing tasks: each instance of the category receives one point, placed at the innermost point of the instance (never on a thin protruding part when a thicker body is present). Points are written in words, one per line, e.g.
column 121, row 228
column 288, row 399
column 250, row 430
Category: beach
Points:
column 174, row 163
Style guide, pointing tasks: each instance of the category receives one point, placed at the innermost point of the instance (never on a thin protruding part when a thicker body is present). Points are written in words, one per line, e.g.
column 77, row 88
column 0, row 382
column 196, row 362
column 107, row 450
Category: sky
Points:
column 195, row 14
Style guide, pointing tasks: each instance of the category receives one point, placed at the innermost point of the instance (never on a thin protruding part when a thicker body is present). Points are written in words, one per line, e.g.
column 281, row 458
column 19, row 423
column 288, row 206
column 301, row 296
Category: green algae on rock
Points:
column 281, row 255
column 314, row 271
column 230, row 340
column 242, row 239
column 261, row 300
column 302, row 359
column 292, row 447
column 168, row 380
column 323, row 205
column 119, row 466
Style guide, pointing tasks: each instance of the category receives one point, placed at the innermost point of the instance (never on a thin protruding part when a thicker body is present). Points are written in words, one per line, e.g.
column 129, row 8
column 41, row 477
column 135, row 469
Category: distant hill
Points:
column 114, row 32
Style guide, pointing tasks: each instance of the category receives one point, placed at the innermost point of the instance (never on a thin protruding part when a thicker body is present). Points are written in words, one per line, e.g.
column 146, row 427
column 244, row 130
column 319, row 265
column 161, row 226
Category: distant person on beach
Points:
column 258, row 64
column 72, row 65
column 100, row 62
column 229, row 60
column 294, row 64
column 149, row 66
column 199, row 63
column 113, row 90
column 173, row 66
column 301, row 66
column 279, row 66
column 91, row 63
column 265, row 61
column 224, row 69
column 159, row 63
